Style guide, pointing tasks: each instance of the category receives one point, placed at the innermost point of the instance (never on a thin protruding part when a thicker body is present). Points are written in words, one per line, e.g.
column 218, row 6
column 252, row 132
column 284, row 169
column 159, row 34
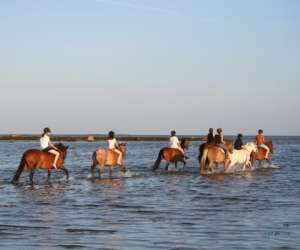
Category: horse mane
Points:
column 61, row 146
column 182, row 142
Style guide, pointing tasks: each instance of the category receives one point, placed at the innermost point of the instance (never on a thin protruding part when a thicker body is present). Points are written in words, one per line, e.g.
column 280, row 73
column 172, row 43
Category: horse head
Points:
column 185, row 143
column 270, row 145
column 251, row 147
column 123, row 148
column 62, row 150
column 229, row 145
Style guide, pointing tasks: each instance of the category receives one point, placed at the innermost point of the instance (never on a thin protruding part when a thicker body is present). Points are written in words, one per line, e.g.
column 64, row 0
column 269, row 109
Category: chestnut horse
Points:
column 261, row 154
column 108, row 158
column 171, row 155
column 211, row 154
column 36, row 159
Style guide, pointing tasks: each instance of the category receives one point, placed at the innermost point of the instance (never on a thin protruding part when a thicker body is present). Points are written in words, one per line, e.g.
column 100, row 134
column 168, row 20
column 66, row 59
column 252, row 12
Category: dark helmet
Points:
column 211, row 130
column 47, row 130
column 219, row 130
column 260, row 131
column 173, row 133
column 240, row 135
column 111, row 134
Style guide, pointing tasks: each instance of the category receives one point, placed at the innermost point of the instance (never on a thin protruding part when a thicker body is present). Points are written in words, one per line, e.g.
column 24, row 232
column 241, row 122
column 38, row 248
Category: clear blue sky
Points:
column 145, row 67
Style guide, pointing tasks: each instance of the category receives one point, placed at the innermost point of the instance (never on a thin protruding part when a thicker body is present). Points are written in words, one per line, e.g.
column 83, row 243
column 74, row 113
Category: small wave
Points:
column 64, row 178
column 89, row 231
column 127, row 174
column 71, row 246
column 89, row 176
column 265, row 166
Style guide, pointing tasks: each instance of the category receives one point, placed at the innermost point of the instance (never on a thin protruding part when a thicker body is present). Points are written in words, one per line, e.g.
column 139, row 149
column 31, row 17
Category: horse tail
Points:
column 158, row 160
column 94, row 161
column 203, row 160
column 22, row 165
column 201, row 148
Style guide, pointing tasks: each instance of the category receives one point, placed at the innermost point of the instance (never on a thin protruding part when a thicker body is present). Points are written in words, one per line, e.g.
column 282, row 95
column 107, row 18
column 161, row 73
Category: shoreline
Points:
column 101, row 137
column 93, row 137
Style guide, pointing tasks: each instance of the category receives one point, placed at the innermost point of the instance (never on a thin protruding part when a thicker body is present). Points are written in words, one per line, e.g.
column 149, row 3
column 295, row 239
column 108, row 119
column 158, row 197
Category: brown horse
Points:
column 171, row 155
column 261, row 154
column 108, row 158
column 211, row 154
column 36, row 159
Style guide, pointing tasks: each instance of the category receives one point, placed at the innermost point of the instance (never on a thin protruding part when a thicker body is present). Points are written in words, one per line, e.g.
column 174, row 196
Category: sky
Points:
column 150, row 66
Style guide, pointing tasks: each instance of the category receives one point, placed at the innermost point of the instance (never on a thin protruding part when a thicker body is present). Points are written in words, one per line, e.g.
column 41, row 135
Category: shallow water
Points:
column 168, row 210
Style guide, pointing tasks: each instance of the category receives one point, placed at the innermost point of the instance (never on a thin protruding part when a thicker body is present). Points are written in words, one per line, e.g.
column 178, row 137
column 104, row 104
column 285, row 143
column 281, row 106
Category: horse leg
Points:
column 202, row 169
column 270, row 160
column 244, row 166
column 49, row 175
column 176, row 164
column 184, row 163
column 93, row 167
column 209, row 168
column 249, row 164
column 226, row 165
column 167, row 166
column 123, row 169
column 94, row 164
column 99, row 172
column 66, row 172
column 31, row 176
column 110, row 172
column 217, row 166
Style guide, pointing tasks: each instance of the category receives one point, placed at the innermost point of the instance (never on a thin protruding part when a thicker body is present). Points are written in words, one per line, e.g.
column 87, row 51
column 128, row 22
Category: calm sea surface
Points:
column 142, row 210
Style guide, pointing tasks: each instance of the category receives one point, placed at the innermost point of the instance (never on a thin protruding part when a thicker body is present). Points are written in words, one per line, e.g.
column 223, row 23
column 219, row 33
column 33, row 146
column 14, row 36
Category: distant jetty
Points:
column 93, row 137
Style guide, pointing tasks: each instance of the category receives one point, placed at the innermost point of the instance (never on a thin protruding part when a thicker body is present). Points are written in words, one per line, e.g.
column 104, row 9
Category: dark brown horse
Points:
column 36, row 159
column 171, row 155
column 261, row 154
column 108, row 158
column 212, row 154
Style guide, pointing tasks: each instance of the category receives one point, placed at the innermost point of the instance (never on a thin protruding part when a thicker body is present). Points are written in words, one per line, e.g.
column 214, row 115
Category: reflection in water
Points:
column 178, row 209
column 110, row 182
column 49, row 190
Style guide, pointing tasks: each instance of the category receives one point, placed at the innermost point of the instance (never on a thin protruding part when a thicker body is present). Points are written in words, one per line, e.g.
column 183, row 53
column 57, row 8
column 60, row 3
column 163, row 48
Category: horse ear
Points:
column 67, row 147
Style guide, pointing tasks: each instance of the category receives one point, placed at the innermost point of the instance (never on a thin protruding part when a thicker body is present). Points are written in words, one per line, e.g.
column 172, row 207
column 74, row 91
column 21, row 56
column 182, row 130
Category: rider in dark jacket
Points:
column 238, row 142
column 210, row 139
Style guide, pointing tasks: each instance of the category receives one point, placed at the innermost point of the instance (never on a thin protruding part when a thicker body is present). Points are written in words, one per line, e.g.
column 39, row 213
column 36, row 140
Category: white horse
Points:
column 241, row 156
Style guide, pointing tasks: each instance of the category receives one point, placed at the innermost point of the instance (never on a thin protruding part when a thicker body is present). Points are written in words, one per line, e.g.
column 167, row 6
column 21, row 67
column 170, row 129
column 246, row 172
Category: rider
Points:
column 238, row 144
column 219, row 140
column 260, row 141
column 114, row 146
column 48, row 146
column 210, row 138
column 174, row 142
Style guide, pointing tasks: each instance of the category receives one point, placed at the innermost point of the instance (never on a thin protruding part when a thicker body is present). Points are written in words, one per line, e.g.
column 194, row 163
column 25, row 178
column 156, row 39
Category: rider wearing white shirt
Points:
column 48, row 146
column 174, row 142
column 114, row 145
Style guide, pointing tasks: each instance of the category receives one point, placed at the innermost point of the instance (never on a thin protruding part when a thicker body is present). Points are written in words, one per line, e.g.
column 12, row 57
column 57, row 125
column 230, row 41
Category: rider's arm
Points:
column 117, row 144
column 222, row 138
column 178, row 143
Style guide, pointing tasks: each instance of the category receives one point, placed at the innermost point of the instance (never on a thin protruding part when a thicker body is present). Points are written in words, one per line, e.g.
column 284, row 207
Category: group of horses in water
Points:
column 210, row 155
